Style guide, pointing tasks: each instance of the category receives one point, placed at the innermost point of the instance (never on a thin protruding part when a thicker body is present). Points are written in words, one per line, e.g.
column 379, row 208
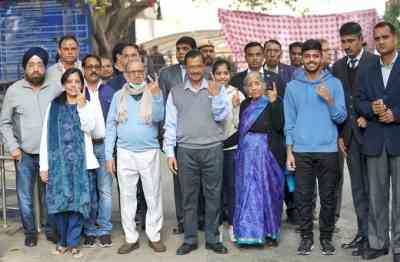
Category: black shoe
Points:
column 105, row 241
column 269, row 242
column 52, row 238
column 185, row 249
column 355, row 243
column 305, row 247
column 297, row 230
column 201, row 225
column 371, row 253
column 327, row 248
column 90, row 241
column 218, row 248
column 357, row 252
column 292, row 218
column 30, row 241
column 178, row 230
column 396, row 257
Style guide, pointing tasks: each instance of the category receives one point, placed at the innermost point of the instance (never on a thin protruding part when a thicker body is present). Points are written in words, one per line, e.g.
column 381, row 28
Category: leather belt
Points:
column 97, row 141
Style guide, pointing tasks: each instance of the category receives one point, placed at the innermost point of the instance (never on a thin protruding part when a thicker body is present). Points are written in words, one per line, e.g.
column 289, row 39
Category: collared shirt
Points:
column 183, row 71
column 261, row 71
column 95, row 101
column 56, row 71
column 387, row 69
column 275, row 69
column 356, row 59
column 219, row 108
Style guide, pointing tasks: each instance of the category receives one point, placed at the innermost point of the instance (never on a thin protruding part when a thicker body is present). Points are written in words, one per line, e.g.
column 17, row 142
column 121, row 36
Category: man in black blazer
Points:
column 378, row 100
column 170, row 77
column 350, row 132
column 254, row 55
column 273, row 54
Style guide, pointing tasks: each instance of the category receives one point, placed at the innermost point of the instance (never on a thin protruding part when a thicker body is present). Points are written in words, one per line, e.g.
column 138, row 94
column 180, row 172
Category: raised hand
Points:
column 81, row 99
column 213, row 88
column 272, row 94
column 154, row 86
column 236, row 99
column 324, row 93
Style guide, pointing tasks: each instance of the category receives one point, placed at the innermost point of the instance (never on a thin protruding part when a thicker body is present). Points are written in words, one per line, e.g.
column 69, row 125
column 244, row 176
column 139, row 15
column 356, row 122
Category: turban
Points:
column 38, row 51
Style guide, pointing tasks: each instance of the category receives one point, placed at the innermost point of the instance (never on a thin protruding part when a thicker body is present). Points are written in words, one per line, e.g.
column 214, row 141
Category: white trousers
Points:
column 130, row 166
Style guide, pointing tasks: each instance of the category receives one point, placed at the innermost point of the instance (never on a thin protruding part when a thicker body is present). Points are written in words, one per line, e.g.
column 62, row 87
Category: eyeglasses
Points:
column 138, row 72
column 91, row 67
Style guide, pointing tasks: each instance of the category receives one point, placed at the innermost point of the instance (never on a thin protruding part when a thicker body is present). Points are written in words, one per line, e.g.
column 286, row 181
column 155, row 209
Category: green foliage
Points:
column 392, row 15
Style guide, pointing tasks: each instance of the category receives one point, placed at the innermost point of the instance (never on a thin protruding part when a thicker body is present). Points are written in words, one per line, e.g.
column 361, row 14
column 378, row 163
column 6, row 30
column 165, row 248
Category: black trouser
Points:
column 201, row 166
column 359, row 185
column 324, row 167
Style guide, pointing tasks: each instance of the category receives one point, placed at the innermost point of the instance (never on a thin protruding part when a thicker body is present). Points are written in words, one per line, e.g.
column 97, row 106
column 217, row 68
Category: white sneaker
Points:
column 231, row 234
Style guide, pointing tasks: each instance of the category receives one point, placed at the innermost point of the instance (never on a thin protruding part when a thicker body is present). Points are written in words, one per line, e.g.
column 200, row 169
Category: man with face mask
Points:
column 351, row 131
column 21, row 123
column 137, row 108
column 68, row 53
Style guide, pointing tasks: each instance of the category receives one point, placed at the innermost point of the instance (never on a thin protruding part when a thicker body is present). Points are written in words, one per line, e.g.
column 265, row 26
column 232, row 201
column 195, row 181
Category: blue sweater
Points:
column 310, row 123
column 133, row 134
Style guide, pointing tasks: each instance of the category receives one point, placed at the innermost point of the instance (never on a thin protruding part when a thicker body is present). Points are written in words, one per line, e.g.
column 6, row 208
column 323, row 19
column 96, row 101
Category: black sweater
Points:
column 271, row 122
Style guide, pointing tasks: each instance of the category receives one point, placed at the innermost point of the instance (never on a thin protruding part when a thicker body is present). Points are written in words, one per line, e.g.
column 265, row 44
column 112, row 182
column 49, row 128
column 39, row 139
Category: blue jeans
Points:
column 100, row 183
column 69, row 228
column 27, row 173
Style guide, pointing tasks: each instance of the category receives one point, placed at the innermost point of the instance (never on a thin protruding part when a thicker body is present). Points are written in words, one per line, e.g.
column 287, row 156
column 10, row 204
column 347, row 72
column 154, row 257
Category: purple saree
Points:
column 259, row 183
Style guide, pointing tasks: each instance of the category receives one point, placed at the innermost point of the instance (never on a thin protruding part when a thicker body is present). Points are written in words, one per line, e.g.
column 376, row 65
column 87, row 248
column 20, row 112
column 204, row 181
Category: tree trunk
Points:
column 113, row 25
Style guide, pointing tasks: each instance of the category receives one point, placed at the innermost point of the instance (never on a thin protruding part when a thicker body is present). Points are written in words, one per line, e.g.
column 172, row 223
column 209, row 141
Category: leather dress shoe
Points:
column 178, row 230
column 218, row 248
column 357, row 252
column 355, row 243
column 396, row 257
column 185, row 249
column 371, row 253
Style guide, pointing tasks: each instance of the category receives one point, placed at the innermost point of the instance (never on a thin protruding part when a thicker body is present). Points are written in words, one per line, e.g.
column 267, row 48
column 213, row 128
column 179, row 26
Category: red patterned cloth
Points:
column 241, row 27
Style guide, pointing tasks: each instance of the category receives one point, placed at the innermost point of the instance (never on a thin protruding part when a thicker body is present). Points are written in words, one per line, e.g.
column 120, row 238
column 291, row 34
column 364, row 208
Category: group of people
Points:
column 239, row 145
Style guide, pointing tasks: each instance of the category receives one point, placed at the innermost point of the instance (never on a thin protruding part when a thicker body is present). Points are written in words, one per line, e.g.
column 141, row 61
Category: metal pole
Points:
column 3, row 192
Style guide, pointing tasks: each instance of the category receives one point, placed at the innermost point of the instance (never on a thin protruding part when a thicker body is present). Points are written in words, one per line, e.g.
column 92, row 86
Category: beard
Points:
column 36, row 80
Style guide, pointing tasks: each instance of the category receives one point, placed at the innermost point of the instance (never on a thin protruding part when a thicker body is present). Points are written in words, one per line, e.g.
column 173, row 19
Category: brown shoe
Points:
column 128, row 247
column 158, row 246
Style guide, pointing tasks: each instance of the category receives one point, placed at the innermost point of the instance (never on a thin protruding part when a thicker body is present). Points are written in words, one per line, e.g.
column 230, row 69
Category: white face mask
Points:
column 137, row 86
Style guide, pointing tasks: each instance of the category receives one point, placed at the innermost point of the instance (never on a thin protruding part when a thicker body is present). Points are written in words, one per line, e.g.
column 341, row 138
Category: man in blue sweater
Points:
column 314, row 104
column 132, row 124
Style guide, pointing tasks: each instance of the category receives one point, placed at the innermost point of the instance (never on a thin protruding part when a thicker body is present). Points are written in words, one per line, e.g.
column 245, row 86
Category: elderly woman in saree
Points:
column 66, row 156
column 259, row 161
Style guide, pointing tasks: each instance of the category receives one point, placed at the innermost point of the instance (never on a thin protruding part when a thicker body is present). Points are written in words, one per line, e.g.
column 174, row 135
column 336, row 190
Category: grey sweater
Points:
column 23, row 113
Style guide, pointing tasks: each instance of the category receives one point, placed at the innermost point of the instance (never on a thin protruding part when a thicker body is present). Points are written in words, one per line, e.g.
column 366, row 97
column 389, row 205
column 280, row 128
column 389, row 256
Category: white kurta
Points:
column 87, row 116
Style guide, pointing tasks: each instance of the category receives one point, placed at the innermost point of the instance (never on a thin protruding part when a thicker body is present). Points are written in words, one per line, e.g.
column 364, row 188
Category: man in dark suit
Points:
column 254, row 58
column 378, row 100
column 171, row 77
column 273, row 54
column 350, row 132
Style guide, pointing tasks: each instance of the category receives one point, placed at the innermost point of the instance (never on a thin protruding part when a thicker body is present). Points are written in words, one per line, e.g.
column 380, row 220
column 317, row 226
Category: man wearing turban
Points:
column 21, row 122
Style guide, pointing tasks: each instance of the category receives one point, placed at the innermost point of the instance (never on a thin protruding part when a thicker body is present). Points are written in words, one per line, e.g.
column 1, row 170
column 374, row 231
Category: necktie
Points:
column 353, row 63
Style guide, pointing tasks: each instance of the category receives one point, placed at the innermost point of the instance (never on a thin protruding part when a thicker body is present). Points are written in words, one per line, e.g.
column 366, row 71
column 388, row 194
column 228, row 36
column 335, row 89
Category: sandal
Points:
column 60, row 250
column 76, row 253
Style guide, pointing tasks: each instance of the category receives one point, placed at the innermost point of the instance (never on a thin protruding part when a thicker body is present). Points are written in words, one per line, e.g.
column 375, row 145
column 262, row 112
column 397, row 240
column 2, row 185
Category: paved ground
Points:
column 12, row 249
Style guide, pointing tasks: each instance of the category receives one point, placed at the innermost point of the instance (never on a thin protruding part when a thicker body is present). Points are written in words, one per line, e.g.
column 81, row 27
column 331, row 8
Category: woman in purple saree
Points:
column 259, row 177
